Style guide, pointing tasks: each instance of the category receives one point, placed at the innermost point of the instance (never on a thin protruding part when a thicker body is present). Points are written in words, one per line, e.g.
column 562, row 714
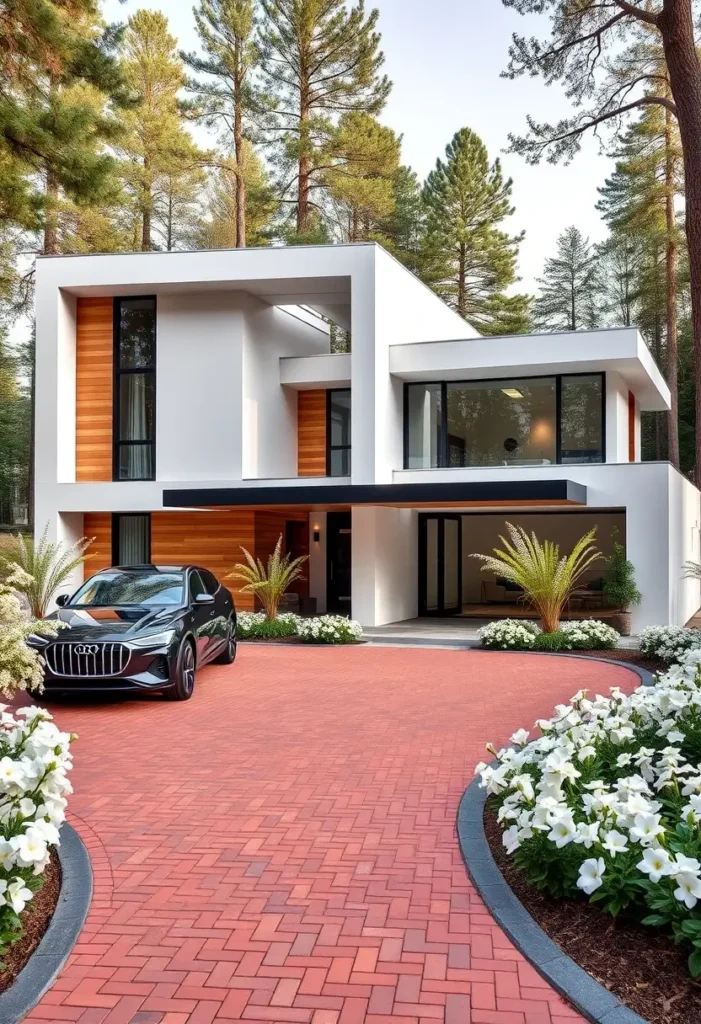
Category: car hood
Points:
column 114, row 623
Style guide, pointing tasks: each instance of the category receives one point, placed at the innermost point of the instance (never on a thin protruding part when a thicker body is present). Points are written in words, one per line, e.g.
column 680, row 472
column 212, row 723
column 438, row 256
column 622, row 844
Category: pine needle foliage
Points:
column 546, row 577
column 268, row 583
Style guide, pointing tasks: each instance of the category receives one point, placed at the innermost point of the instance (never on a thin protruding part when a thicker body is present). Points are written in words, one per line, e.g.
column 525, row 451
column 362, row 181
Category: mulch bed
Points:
column 633, row 657
column 639, row 965
column 36, row 920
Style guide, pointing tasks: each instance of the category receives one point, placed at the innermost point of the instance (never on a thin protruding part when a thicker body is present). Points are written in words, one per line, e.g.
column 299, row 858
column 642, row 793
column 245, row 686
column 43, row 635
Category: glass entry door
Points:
column 440, row 564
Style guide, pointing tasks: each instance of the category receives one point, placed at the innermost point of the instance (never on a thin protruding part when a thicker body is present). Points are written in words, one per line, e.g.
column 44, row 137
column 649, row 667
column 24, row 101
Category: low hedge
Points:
column 523, row 635
column 321, row 629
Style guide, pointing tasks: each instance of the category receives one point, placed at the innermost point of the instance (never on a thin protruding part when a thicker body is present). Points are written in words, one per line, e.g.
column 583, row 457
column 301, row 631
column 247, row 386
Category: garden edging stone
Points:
column 68, row 918
column 646, row 677
column 594, row 1001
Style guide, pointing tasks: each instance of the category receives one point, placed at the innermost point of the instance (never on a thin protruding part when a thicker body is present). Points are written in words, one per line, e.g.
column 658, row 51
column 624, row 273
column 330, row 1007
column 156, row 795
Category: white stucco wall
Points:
column 684, row 546
column 384, row 564
column 317, row 560
column 616, row 418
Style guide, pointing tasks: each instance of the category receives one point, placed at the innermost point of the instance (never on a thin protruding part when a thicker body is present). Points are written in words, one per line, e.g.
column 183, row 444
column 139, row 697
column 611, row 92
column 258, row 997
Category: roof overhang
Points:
column 485, row 494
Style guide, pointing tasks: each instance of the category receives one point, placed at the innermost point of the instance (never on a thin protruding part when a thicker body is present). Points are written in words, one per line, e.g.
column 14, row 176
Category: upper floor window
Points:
column 527, row 421
column 135, row 389
column 338, row 419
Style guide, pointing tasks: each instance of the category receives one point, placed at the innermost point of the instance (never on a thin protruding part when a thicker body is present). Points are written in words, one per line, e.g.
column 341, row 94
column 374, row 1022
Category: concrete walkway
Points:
column 282, row 847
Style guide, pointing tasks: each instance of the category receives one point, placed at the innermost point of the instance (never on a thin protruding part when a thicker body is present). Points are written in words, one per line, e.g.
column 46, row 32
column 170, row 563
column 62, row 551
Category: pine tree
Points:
column 156, row 145
column 321, row 60
column 471, row 261
column 218, row 230
column 568, row 287
column 360, row 179
column 403, row 231
column 226, row 95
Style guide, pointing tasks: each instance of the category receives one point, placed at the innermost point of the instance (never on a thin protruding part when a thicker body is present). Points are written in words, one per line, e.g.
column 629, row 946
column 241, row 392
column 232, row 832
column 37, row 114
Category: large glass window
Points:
column 131, row 544
column 581, row 419
column 525, row 421
column 339, row 432
column 424, row 430
column 135, row 396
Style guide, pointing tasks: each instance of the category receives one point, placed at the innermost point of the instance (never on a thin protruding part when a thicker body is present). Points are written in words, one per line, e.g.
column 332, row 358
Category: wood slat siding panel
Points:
column 311, row 433
column 99, row 526
column 210, row 539
column 94, row 375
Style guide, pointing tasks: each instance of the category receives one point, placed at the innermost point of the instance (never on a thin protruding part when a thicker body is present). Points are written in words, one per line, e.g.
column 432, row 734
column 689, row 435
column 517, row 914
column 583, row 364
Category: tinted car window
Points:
column 197, row 587
column 125, row 588
column 210, row 582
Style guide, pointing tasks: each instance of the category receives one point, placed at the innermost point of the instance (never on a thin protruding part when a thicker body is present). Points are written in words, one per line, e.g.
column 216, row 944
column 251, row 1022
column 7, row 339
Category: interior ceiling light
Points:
column 512, row 392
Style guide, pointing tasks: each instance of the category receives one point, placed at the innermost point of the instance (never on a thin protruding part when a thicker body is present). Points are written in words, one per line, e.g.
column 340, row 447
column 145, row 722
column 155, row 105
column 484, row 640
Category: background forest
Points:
column 112, row 139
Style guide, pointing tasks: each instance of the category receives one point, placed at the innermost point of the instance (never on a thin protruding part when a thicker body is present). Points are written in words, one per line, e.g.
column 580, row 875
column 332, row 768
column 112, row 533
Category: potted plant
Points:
column 546, row 577
column 620, row 591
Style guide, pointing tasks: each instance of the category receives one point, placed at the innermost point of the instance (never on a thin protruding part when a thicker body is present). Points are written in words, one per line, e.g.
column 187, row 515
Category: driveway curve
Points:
column 282, row 847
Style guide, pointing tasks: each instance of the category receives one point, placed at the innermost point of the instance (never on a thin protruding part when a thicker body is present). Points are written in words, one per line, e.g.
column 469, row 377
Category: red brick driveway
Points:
column 282, row 847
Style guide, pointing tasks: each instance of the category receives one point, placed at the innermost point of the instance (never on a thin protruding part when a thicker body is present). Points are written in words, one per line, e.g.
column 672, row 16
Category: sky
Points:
column 445, row 58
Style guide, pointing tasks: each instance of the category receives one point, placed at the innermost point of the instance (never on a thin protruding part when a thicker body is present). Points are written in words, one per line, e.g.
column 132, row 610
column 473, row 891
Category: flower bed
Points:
column 322, row 629
column 606, row 803
column 523, row 635
column 669, row 643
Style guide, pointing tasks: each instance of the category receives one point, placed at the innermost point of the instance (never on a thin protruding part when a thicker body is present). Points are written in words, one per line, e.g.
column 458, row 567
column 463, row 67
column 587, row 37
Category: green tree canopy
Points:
column 568, row 288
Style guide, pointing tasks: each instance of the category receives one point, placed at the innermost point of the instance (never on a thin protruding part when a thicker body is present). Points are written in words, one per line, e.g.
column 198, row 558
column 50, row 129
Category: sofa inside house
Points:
column 590, row 594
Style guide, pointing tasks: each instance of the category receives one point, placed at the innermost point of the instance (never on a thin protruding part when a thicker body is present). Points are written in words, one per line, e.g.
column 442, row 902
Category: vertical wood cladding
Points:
column 311, row 433
column 94, row 376
column 99, row 526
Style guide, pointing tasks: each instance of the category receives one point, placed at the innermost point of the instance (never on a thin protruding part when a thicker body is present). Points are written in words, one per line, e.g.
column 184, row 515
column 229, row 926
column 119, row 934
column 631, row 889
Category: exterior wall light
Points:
column 317, row 533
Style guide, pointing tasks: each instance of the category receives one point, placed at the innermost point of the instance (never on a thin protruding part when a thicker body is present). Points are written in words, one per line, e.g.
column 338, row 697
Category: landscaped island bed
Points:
column 35, row 920
column 639, row 965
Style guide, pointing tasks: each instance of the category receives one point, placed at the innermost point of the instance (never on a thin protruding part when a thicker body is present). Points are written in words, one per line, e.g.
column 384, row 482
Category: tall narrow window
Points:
column 131, row 539
column 338, row 459
column 135, row 389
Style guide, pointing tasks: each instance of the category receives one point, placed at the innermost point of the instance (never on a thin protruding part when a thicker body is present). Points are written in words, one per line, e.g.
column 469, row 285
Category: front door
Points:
column 338, row 563
column 440, row 565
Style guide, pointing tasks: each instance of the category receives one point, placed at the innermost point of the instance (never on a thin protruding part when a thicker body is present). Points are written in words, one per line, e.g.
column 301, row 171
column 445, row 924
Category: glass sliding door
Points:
column 440, row 564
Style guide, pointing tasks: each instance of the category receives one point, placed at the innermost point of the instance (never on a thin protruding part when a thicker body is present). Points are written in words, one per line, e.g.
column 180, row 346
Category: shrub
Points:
column 21, row 665
column 589, row 635
column 46, row 566
column 250, row 625
column 607, row 802
column 556, row 641
column 547, row 580
column 620, row 590
column 270, row 583
column 508, row 635
column 34, row 761
column 669, row 643
column 329, row 629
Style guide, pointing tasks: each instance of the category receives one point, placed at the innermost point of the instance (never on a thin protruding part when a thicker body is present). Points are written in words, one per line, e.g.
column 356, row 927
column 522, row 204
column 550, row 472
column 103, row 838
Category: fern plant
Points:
column 47, row 565
column 546, row 577
column 269, row 584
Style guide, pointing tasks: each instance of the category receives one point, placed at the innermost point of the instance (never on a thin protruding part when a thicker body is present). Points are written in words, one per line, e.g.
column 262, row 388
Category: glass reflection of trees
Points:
column 480, row 418
column 129, row 588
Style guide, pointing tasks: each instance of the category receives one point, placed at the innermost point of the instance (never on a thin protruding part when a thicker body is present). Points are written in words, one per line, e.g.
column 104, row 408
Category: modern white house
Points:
column 189, row 403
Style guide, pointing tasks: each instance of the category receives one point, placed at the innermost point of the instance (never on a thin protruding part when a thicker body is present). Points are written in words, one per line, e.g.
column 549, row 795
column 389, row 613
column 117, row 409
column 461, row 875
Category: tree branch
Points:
column 638, row 12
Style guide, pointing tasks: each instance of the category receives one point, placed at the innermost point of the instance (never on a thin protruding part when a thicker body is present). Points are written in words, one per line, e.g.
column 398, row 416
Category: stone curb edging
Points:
column 593, row 1000
column 48, row 958
column 646, row 677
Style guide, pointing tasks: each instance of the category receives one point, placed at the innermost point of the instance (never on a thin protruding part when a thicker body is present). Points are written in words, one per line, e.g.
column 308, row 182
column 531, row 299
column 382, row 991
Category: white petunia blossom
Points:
column 591, row 875
column 656, row 863
column 615, row 842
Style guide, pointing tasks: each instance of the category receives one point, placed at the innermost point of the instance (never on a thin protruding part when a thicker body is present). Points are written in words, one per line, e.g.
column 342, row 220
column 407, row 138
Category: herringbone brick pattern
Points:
column 282, row 848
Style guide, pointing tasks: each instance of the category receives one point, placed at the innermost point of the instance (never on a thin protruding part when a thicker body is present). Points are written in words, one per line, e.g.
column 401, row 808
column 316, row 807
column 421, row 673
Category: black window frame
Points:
column 443, row 440
column 336, row 447
column 118, row 373
column 116, row 516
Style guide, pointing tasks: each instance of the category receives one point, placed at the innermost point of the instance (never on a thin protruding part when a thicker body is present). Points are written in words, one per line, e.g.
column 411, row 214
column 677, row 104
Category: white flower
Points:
column 656, row 863
column 11, row 773
column 7, row 854
column 562, row 831
column 587, row 834
column 29, row 847
column 646, row 828
column 615, row 842
column 591, row 873
column 674, row 736
column 520, row 737
column 18, row 895
column 510, row 839
column 688, row 889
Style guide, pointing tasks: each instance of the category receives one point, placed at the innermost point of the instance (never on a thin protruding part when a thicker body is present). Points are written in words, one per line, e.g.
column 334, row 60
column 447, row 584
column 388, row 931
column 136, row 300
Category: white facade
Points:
column 238, row 339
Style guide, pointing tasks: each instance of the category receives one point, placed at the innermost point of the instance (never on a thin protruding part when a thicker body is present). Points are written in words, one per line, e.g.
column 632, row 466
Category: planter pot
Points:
column 621, row 622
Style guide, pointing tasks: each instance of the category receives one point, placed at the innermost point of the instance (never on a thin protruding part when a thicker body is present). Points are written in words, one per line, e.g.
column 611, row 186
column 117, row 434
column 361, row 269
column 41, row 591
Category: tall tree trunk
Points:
column 51, row 217
column 146, row 210
column 240, row 154
column 657, row 350
column 573, row 308
column 462, row 289
column 671, row 275
column 676, row 26
column 354, row 234
column 304, row 168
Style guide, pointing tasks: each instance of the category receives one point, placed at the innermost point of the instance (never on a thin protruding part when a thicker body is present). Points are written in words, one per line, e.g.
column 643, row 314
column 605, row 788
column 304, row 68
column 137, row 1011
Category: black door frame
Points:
column 440, row 517
column 335, row 522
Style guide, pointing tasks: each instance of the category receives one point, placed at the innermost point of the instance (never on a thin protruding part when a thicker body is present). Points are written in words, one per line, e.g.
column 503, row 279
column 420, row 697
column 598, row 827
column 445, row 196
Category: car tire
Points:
column 228, row 655
column 184, row 673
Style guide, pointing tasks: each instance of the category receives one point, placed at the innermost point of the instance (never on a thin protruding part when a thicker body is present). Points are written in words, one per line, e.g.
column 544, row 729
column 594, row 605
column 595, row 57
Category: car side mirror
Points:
column 62, row 600
column 204, row 599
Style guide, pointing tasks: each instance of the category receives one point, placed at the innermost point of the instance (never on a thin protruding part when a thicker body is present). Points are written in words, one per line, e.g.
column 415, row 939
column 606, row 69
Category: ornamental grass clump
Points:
column 606, row 803
column 21, row 667
column 668, row 643
column 546, row 578
column 269, row 583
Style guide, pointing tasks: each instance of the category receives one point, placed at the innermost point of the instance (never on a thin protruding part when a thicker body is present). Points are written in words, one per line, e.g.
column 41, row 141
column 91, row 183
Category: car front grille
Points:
column 78, row 660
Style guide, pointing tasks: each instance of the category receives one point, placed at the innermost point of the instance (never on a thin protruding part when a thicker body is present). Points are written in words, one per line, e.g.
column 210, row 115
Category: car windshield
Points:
column 125, row 588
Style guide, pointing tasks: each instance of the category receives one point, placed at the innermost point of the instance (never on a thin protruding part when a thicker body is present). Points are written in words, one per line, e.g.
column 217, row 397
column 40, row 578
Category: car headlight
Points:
column 35, row 640
column 156, row 640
